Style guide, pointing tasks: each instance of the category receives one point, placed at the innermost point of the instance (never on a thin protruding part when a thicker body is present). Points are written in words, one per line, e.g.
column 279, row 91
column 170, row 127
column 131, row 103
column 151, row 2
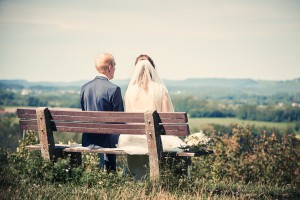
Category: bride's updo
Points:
column 144, row 57
column 143, row 73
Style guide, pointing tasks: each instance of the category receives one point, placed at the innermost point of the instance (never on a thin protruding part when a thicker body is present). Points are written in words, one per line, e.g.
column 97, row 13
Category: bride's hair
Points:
column 144, row 57
column 143, row 74
column 145, row 77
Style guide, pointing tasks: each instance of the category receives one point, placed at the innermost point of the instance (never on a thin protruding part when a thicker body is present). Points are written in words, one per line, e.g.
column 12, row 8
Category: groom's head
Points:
column 105, row 64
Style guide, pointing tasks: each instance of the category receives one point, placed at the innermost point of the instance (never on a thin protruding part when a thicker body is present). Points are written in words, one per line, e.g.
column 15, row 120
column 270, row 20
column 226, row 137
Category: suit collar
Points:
column 102, row 76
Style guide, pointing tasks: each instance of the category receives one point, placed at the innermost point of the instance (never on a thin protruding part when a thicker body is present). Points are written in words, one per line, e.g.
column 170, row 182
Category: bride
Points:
column 146, row 91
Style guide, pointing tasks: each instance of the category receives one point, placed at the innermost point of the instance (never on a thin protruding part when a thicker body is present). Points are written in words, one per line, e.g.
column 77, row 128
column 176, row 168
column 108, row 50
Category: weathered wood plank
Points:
column 45, row 133
column 38, row 146
column 96, row 150
column 67, row 148
column 188, row 154
column 168, row 129
column 125, row 117
column 155, row 148
column 29, row 127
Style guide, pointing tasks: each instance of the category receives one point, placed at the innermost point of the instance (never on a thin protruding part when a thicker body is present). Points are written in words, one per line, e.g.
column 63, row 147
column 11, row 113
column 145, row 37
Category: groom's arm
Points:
column 117, row 100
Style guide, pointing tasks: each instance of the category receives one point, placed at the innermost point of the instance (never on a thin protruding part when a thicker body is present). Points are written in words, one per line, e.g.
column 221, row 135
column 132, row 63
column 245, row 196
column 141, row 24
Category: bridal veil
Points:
column 146, row 91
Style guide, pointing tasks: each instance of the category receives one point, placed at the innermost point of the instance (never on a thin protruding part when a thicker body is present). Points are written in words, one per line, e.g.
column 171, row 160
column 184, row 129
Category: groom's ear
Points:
column 110, row 67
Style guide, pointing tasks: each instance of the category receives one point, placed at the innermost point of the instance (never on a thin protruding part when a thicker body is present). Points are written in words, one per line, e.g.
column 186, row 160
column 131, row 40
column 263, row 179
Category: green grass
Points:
column 132, row 190
column 201, row 123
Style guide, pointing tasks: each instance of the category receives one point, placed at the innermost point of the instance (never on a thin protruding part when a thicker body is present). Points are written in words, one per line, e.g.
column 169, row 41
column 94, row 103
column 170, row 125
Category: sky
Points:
column 59, row 40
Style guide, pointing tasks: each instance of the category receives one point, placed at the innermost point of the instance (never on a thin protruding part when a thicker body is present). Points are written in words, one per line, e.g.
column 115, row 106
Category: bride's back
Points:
column 146, row 91
column 138, row 99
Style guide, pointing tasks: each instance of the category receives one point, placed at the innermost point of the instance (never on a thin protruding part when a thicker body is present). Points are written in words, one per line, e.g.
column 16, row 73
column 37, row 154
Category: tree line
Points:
column 195, row 106
column 199, row 107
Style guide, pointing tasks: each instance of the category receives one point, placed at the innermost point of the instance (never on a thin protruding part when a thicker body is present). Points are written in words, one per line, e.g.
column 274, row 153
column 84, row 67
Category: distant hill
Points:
column 212, row 82
column 195, row 86
column 222, row 85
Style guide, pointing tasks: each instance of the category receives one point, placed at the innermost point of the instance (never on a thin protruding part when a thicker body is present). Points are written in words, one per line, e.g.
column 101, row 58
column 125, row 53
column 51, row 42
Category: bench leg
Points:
column 45, row 133
column 154, row 144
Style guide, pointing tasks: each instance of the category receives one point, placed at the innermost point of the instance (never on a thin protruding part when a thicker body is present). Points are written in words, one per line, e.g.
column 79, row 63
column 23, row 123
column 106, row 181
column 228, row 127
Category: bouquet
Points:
column 197, row 142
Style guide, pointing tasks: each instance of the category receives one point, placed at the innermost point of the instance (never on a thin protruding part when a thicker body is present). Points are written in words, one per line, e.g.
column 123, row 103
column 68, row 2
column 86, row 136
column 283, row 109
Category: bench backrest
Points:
column 104, row 122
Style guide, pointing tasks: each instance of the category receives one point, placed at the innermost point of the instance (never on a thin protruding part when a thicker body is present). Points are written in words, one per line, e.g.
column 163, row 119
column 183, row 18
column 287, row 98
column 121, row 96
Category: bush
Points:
column 10, row 133
column 242, row 156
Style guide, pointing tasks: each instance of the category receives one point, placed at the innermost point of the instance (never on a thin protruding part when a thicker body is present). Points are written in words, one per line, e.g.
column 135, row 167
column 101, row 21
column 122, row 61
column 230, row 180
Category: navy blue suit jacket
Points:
column 101, row 95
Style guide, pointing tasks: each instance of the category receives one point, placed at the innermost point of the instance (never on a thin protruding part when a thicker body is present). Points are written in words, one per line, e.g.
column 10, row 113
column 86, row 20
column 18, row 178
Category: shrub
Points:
column 243, row 156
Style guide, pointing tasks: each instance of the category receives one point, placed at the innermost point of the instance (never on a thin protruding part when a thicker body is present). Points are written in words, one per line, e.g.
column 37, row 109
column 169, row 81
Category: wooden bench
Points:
column 151, row 123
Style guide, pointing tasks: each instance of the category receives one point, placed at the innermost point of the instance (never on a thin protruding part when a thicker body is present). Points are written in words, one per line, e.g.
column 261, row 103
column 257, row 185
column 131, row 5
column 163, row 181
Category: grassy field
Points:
column 202, row 123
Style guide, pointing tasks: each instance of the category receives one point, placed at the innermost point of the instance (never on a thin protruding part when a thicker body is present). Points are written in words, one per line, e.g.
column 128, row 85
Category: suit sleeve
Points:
column 82, row 99
column 117, row 100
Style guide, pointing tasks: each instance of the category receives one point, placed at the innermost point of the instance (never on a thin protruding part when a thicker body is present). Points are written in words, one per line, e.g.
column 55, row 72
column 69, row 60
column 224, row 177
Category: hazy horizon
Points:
column 57, row 41
column 164, row 79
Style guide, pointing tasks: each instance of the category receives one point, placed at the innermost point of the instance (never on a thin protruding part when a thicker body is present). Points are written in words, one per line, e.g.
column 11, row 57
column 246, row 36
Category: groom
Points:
column 102, row 95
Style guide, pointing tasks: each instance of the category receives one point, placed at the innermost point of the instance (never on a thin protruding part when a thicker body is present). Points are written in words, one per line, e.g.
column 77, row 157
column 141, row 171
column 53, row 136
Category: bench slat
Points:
column 124, row 119
column 29, row 127
column 103, row 150
column 115, row 151
column 179, row 130
column 178, row 117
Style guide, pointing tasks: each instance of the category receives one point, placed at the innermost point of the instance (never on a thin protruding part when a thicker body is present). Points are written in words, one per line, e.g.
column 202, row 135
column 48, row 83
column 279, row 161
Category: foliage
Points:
column 29, row 167
column 269, row 161
column 268, row 113
column 10, row 133
column 243, row 156
column 276, row 107
column 15, row 183
column 52, row 99
column 199, row 107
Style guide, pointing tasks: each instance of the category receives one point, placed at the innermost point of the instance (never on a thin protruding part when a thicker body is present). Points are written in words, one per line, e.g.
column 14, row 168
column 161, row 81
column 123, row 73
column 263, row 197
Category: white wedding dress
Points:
column 145, row 92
